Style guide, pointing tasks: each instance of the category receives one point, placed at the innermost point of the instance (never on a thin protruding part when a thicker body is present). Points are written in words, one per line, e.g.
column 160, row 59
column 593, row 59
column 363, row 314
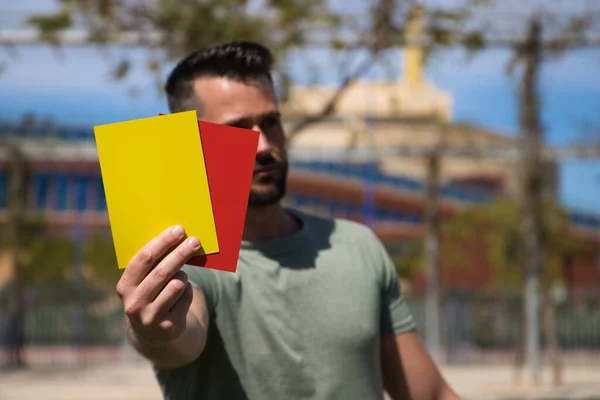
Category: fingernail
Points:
column 177, row 230
column 193, row 243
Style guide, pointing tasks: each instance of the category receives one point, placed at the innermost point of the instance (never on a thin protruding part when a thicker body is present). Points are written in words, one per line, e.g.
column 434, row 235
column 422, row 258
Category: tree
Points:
column 43, row 258
column 549, row 30
column 101, row 261
column 28, row 125
column 172, row 29
column 14, row 239
column 497, row 227
column 36, row 256
column 172, row 26
column 532, row 186
column 407, row 257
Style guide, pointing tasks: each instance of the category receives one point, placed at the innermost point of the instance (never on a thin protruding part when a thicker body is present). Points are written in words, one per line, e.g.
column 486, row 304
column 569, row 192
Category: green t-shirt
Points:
column 301, row 318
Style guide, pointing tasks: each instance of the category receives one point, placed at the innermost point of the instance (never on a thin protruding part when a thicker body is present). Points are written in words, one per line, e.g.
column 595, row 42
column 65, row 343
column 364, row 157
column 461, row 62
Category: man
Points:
column 314, row 310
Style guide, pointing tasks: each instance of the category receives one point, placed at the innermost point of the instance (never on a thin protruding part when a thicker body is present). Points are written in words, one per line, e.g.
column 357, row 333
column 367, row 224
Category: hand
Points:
column 156, row 294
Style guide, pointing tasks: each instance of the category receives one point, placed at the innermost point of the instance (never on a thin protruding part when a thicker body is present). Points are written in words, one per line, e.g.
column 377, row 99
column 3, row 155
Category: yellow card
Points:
column 154, row 177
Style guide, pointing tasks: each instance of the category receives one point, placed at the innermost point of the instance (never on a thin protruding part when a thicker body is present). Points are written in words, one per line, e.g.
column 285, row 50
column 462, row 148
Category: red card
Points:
column 229, row 156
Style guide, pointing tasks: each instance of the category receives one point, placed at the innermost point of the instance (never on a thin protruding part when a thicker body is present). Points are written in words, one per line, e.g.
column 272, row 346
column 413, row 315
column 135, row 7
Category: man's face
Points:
column 250, row 105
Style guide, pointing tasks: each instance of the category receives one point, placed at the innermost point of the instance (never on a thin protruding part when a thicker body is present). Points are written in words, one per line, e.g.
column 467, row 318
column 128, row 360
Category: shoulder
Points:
column 340, row 231
column 351, row 239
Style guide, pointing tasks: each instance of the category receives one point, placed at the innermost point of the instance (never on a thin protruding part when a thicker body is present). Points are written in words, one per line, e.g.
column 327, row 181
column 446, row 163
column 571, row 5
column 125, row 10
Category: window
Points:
column 101, row 198
column 3, row 190
column 41, row 190
column 62, row 192
column 81, row 192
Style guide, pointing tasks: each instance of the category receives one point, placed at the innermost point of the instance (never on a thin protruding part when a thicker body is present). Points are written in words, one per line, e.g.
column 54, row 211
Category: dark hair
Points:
column 236, row 60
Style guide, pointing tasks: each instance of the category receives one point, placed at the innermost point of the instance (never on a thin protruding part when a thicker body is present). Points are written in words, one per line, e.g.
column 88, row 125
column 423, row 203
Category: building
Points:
column 344, row 165
column 366, row 161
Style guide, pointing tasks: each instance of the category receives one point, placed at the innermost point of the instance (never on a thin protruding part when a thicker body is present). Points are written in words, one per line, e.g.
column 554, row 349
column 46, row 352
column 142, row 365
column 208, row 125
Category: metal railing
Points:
column 486, row 327
column 477, row 328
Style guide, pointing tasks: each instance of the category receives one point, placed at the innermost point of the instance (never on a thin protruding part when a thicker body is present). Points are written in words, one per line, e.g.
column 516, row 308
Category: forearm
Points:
column 446, row 392
column 181, row 351
column 433, row 392
column 409, row 372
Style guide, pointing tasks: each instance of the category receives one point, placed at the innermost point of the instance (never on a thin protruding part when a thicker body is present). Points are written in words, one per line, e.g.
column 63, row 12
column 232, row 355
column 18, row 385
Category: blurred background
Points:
column 465, row 133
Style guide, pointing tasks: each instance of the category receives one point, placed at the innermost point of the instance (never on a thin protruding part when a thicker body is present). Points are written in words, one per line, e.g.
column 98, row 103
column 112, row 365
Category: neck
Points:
column 268, row 223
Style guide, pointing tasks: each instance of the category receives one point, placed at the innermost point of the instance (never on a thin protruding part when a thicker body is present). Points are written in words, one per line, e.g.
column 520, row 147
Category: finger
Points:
column 143, row 262
column 170, row 294
column 181, row 307
column 149, row 288
column 174, row 321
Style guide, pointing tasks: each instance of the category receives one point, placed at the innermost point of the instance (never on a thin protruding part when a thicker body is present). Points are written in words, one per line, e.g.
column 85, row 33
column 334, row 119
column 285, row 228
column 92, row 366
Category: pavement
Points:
column 135, row 381
column 497, row 382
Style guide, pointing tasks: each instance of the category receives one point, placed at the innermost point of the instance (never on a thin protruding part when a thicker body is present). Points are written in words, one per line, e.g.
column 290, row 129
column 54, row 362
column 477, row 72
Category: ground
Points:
column 134, row 381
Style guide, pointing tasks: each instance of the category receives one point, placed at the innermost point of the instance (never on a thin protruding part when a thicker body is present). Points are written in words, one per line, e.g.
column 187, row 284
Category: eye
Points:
column 241, row 125
column 269, row 122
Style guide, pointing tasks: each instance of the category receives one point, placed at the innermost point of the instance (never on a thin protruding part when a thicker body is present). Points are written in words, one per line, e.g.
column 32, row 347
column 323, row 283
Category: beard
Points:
column 269, row 190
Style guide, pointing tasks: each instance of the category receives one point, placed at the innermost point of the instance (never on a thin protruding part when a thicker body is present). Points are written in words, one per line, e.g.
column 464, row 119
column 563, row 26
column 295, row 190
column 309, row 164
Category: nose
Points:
column 263, row 141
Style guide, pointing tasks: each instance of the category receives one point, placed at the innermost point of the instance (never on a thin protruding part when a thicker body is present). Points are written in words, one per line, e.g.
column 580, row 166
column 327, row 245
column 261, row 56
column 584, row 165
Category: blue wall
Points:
column 361, row 172
column 344, row 209
column 84, row 186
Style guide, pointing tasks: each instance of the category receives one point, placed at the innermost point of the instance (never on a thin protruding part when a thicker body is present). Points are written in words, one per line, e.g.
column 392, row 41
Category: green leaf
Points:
column 52, row 23
column 101, row 259
column 497, row 225
column 121, row 69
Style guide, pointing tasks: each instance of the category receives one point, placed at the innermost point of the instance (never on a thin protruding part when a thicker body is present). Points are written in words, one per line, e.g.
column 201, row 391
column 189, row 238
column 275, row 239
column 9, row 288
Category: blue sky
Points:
column 75, row 89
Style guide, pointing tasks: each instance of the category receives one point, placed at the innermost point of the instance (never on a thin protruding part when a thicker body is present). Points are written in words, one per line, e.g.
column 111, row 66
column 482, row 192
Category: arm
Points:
column 184, row 349
column 409, row 372
column 167, row 317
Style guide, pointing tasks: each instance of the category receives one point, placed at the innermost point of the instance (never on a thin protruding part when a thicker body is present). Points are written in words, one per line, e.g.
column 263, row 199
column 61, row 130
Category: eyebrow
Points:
column 240, row 121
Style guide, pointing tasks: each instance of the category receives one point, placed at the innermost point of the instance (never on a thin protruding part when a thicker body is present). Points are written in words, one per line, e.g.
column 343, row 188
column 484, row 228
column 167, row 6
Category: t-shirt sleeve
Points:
column 205, row 280
column 395, row 314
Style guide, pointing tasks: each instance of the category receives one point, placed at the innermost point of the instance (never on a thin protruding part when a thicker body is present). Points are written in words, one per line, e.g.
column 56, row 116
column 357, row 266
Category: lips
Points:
column 264, row 170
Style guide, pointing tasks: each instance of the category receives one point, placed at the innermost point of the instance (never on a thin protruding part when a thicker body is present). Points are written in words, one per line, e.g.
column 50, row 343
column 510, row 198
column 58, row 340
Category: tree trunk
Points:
column 432, row 253
column 519, row 359
column 15, row 222
column 532, row 193
column 551, row 328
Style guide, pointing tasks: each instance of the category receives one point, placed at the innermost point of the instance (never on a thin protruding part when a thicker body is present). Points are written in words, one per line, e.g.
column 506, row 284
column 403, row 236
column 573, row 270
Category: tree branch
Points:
column 330, row 106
